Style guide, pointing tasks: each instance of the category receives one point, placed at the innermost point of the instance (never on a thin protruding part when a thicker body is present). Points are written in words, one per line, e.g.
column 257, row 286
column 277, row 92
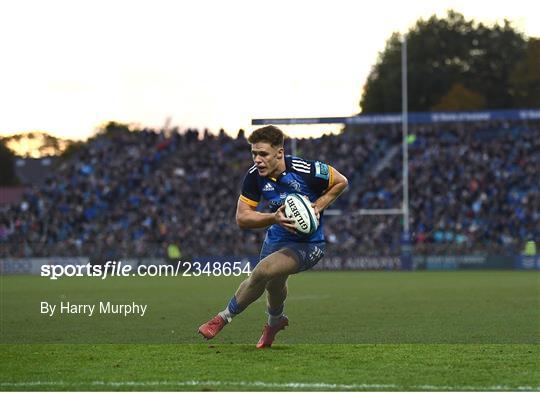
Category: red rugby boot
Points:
column 212, row 327
column 269, row 332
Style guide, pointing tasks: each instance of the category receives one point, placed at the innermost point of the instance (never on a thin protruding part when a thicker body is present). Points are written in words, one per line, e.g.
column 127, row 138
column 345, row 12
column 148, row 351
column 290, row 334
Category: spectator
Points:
column 473, row 188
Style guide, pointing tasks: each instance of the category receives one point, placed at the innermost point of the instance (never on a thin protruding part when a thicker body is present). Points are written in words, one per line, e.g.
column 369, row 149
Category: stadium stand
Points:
column 474, row 188
column 33, row 171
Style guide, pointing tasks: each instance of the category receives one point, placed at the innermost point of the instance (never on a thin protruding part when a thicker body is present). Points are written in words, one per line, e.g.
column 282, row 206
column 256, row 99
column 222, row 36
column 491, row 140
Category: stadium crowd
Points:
column 473, row 188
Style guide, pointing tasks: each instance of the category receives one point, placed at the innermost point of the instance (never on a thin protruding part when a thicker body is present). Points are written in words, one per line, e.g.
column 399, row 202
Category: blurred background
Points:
column 123, row 134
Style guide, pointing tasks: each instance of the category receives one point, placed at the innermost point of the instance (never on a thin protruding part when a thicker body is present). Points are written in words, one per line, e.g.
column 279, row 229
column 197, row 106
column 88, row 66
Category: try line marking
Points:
column 260, row 384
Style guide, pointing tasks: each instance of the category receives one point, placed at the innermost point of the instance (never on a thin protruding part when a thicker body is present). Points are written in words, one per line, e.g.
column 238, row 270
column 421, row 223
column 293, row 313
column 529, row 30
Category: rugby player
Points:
column 284, row 252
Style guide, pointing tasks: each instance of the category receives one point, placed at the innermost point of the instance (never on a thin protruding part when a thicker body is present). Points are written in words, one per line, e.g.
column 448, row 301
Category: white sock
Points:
column 274, row 319
column 226, row 315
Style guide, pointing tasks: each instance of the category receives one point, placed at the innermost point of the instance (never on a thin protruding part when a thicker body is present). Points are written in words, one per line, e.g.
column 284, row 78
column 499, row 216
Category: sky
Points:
column 68, row 67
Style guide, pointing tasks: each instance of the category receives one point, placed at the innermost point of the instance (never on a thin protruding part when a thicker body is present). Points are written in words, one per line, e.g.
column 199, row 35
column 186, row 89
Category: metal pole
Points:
column 405, row 121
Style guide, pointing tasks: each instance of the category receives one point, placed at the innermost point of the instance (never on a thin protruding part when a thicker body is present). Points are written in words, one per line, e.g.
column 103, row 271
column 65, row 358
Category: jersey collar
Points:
column 282, row 174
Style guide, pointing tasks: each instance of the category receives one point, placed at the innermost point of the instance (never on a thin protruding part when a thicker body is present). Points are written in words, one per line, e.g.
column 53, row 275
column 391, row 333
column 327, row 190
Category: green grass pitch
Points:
column 465, row 330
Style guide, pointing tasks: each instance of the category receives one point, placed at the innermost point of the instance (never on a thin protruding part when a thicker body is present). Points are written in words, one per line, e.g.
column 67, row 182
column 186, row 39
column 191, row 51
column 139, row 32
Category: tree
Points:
column 36, row 144
column 441, row 54
column 113, row 129
column 498, row 51
column 382, row 92
column 72, row 149
column 525, row 78
column 7, row 166
column 459, row 98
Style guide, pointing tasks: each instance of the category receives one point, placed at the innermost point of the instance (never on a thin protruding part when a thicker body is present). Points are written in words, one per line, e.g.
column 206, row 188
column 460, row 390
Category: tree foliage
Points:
column 7, row 166
column 459, row 98
column 453, row 55
column 36, row 144
column 525, row 79
column 112, row 128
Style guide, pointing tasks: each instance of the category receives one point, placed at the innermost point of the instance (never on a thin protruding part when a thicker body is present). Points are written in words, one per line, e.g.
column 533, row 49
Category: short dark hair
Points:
column 268, row 134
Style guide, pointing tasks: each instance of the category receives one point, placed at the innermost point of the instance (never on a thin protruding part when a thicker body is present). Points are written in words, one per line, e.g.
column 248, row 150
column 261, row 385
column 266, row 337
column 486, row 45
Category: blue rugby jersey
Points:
column 306, row 177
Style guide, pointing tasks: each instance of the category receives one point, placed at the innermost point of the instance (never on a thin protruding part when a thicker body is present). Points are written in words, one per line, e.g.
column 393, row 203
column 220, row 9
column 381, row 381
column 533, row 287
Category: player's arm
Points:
column 337, row 185
column 247, row 217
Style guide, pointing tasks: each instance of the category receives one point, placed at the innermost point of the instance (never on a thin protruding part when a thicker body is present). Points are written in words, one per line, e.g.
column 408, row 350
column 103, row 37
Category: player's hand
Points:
column 317, row 212
column 281, row 219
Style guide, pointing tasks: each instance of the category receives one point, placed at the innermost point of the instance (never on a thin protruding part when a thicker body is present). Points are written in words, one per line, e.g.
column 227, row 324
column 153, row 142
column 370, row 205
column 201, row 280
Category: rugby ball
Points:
column 298, row 207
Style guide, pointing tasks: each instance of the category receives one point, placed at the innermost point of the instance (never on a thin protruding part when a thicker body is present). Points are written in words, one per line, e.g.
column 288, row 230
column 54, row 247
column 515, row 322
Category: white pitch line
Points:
column 260, row 384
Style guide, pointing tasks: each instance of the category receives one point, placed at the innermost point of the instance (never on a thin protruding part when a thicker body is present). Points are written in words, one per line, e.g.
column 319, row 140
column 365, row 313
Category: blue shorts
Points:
column 307, row 254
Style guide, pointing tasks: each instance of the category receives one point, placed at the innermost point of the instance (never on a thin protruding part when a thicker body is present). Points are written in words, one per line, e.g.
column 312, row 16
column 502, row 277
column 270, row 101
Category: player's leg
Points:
column 278, row 264
column 281, row 263
column 276, row 295
column 306, row 255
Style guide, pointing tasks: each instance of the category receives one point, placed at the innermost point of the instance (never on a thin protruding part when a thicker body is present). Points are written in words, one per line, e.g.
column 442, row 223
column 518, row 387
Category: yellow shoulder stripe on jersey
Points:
column 331, row 180
column 250, row 202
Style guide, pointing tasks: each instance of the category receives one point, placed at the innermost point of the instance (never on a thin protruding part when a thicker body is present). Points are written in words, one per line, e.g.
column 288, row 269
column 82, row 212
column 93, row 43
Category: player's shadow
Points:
column 273, row 348
column 248, row 348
